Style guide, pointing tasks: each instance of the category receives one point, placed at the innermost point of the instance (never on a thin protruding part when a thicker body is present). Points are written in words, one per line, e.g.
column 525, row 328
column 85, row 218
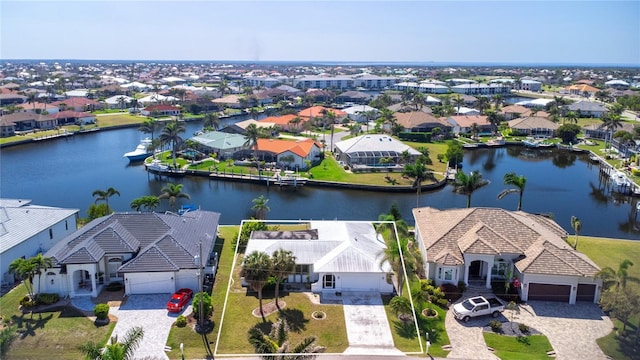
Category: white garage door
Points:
column 361, row 282
column 150, row 283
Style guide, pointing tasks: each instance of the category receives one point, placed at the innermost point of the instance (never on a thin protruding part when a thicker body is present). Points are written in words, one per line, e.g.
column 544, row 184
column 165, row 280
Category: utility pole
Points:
column 200, row 280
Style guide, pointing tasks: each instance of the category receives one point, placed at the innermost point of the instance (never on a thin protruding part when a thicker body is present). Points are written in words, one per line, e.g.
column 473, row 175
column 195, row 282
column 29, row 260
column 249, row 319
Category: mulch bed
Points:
column 509, row 330
column 268, row 309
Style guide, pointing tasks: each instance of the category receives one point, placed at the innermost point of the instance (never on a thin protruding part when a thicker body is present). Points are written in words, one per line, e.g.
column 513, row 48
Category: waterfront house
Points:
column 27, row 121
column 285, row 153
column 114, row 101
column 355, row 97
column 161, row 110
column 283, row 122
column 580, row 90
column 231, row 101
column 587, row 109
column 74, row 117
column 533, row 126
column 320, row 111
column 420, row 121
column 356, row 113
column 28, row 229
column 147, row 252
column 78, row 104
column 515, row 111
column 462, row 124
column 38, row 108
column 366, row 151
column 478, row 246
column 223, row 144
column 331, row 256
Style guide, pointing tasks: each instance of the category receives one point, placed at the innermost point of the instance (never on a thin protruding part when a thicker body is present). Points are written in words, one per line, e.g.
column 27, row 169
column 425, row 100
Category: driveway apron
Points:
column 149, row 312
column 368, row 329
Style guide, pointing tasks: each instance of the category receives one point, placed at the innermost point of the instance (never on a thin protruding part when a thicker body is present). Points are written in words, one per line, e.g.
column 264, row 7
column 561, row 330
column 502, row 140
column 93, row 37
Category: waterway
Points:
column 64, row 173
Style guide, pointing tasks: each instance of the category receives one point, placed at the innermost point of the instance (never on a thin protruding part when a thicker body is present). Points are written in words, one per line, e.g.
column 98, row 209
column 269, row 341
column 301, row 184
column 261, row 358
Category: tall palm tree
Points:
column 211, row 120
column 41, row 264
column 483, row 104
column 223, row 87
column 104, row 195
column 122, row 101
column 122, row 350
column 173, row 192
column 295, row 122
column 458, row 101
column 610, row 122
column 24, row 269
column 260, row 206
column 619, row 277
column 256, row 270
column 467, row 184
column 252, row 134
column 418, row 100
column 171, row 135
column 419, row 173
column 474, row 129
column 275, row 342
column 150, row 126
column 576, row 224
column 519, row 181
column 494, row 119
column 571, row 117
column 284, row 264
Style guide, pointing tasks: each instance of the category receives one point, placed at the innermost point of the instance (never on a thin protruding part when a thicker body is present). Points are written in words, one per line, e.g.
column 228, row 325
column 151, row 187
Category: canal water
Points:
column 64, row 173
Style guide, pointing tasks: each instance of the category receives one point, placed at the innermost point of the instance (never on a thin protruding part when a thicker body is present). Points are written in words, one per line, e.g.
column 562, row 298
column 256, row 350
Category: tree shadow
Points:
column 295, row 318
column 264, row 326
column 405, row 329
column 28, row 326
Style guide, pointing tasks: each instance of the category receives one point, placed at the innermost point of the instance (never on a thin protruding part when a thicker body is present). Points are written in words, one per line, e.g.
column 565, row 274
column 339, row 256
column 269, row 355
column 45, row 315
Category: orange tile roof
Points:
column 582, row 88
column 279, row 120
column 466, row 121
column 301, row 148
column 316, row 111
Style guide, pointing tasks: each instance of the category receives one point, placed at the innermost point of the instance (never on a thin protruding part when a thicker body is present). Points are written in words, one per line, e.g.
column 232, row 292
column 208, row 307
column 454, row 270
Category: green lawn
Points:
column 510, row 347
column 44, row 334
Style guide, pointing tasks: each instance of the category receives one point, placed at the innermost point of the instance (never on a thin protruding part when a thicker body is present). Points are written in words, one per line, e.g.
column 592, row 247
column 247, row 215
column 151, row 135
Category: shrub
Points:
column 523, row 328
column 495, row 325
column 181, row 321
column 27, row 302
column 206, row 305
column 443, row 303
column 101, row 311
column 245, row 232
column 635, row 172
column 462, row 286
column 451, row 292
column 47, row 299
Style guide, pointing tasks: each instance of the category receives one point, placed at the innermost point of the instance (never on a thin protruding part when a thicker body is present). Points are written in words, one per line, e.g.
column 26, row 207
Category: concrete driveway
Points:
column 572, row 330
column 149, row 312
column 368, row 329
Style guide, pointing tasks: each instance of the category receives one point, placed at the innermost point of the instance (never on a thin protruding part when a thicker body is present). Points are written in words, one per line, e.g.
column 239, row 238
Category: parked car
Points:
column 477, row 306
column 179, row 300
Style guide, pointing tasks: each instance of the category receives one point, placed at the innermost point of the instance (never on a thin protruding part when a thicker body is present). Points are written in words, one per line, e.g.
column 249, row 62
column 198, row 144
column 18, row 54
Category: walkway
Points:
column 367, row 325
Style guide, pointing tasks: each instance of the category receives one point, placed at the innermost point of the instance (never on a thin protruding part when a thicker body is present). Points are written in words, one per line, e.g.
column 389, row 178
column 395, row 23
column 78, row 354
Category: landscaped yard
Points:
column 512, row 347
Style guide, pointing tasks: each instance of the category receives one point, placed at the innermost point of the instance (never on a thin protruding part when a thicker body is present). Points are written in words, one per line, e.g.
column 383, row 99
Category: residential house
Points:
column 27, row 121
column 617, row 84
column 39, row 108
column 161, row 110
column 587, row 109
column 285, row 153
column 155, row 98
column 10, row 98
column 7, row 127
column 479, row 246
column 319, row 111
column 146, row 252
column 78, row 104
column 241, row 126
column 420, row 121
column 533, row 126
column 283, row 122
column 230, row 101
column 116, row 101
column 580, row 90
column 463, row 110
column 355, row 97
column 74, row 117
column 27, row 229
column 511, row 112
column 597, row 131
column 366, row 151
column 462, row 124
column 223, row 144
column 331, row 256
column 356, row 113
column 427, row 88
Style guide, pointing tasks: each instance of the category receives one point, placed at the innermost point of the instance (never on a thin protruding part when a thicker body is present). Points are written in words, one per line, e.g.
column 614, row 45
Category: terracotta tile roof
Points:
column 415, row 119
column 449, row 234
column 279, row 120
column 533, row 122
column 76, row 101
column 301, row 148
column 466, row 121
column 71, row 114
column 316, row 111
column 582, row 88
column 161, row 107
column 36, row 106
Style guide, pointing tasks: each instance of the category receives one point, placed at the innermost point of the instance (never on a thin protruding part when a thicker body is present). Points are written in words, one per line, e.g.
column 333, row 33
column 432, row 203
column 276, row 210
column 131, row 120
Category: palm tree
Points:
column 252, row 134
column 104, row 195
column 122, row 101
column 284, row 264
column 483, row 104
column 24, row 269
column 610, row 122
column 467, row 184
column 458, row 101
column 419, row 173
column 576, row 225
column 115, row 350
column 519, row 181
column 223, row 87
column 571, row 117
column 400, row 305
column 137, row 204
column 260, row 206
column 474, row 130
column 211, row 120
column 619, row 277
column 150, row 126
column 173, row 192
column 41, row 264
column 494, row 119
column 295, row 122
column 418, row 100
column 256, row 270
column 171, row 135
column 275, row 342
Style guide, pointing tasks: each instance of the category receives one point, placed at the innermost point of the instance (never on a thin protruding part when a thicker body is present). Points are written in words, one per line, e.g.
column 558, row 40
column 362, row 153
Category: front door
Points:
column 329, row 281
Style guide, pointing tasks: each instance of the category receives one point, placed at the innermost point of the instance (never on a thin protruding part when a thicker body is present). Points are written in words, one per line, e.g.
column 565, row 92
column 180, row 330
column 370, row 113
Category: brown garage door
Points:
column 549, row 292
column 586, row 292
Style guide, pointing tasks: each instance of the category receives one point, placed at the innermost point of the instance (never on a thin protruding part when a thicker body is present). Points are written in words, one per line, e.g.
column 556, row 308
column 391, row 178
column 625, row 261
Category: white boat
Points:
column 156, row 166
column 496, row 142
column 289, row 178
column 141, row 152
column 621, row 183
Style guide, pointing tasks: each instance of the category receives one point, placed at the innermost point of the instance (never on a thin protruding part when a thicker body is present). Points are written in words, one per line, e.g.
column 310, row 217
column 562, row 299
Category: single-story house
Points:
column 241, row 126
column 286, row 153
column 156, row 98
column 29, row 229
column 356, row 113
column 462, row 124
column 10, row 98
column 221, row 143
column 533, row 126
column 587, row 109
column 146, row 252
column 420, row 121
column 368, row 150
column 39, row 108
column 27, row 121
column 617, row 84
column 514, row 111
column 463, row 110
column 288, row 122
column 74, row 117
column 480, row 245
column 161, row 110
column 116, row 101
column 78, row 104
column 331, row 256
column 230, row 101
column 580, row 90
column 318, row 112
column 356, row 97
column 597, row 131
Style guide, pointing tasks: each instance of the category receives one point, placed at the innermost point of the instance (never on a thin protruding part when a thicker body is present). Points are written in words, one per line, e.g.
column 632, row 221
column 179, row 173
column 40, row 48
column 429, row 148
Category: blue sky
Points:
column 568, row 32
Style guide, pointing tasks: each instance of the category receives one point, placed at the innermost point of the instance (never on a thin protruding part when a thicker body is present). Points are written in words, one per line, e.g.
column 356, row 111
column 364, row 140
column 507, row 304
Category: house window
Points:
column 302, row 269
column 114, row 264
column 446, row 273
column 328, row 281
column 50, row 234
column 66, row 225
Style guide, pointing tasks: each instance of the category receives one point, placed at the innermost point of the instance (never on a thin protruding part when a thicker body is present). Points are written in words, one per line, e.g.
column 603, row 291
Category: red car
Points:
column 179, row 300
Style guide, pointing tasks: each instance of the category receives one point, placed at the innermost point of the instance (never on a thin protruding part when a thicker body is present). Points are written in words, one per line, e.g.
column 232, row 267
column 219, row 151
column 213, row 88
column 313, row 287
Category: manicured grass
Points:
column 509, row 347
column 44, row 334
column 610, row 252
column 119, row 119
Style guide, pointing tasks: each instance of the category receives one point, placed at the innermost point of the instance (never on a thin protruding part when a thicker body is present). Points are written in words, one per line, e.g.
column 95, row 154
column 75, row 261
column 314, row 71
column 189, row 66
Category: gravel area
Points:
column 512, row 329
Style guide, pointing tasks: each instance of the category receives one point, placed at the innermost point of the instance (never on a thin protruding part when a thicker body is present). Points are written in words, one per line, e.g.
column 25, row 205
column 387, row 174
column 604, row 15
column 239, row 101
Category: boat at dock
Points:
column 141, row 152
column 156, row 166
column 496, row 142
column 533, row 143
column 620, row 182
column 289, row 178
